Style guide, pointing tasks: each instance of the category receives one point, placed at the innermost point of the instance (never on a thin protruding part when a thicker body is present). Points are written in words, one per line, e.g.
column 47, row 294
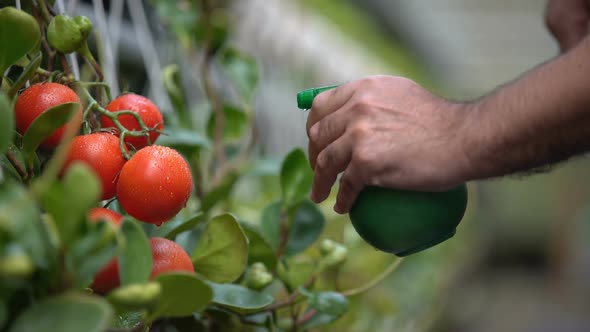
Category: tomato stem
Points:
column 84, row 51
column 105, row 86
column 114, row 116
column 122, row 145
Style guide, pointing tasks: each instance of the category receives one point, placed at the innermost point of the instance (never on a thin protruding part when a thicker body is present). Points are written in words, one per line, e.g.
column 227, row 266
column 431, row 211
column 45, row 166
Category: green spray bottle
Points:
column 401, row 222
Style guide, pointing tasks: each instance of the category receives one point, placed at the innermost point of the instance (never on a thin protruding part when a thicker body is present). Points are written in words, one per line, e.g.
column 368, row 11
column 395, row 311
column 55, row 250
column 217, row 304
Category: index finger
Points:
column 328, row 102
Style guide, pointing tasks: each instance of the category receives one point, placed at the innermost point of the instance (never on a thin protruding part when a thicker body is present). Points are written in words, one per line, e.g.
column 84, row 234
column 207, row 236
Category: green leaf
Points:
column 72, row 312
column 19, row 33
column 127, row 320
column 260, row 249
column 330, row 306
column 15, row 263
column 186, row 140
column 192, row 323
column 271, row 223
column 296, row 272
column 222, row 252
column 240, row 299
column 69, row 200
column 91, row 252
column 183, row 22
column 6, row 122
column 46, row 124
column 219, row 193
column 135, row 255
column 296, row 177
column 263, row 167
column 17, row 209
column 182, row 294
column 235, row 124
column 243, row 70
column 173, row 84
column 174, row 227
column 306, row 223
column 28, row 72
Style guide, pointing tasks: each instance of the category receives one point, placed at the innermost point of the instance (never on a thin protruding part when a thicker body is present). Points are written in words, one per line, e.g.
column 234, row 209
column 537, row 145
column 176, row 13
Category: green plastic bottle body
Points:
column 402, row 222
column 405, row 222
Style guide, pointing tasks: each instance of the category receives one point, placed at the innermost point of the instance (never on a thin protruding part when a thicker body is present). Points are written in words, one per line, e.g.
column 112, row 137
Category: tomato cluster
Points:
column 152, row 186
column 167, row 255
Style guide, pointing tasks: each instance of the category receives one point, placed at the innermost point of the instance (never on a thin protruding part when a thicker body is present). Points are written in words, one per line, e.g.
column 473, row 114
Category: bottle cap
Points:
column 305, row 97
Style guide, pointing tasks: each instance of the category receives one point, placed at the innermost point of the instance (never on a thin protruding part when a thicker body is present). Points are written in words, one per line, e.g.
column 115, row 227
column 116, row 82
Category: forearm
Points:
column 539, row 119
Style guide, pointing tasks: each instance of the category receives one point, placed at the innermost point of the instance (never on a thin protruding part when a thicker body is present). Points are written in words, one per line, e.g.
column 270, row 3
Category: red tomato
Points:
column 39, row 98
column 154, row 184
column 101, row 152
column 167, row 256
column 98, row 214
column 149, row 113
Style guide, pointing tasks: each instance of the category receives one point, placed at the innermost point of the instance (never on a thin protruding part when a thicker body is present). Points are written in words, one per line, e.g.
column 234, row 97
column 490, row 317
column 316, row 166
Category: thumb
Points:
column 568, row 23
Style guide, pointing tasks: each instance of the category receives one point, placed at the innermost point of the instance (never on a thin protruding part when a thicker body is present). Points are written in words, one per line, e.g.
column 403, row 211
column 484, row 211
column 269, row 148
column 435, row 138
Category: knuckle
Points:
column 346, row 182
column 324, row 160
column 362, row 100
column 313, row 134
column 319, row 100
column 360, row 130
column 362, row 158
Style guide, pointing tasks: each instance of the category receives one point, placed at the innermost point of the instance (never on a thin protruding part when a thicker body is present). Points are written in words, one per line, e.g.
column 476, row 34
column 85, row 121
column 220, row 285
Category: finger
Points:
column 572, row 37
column 326, row 131
column 328, row 102
column 331, row 161
column 568, row 24
column 350, row 187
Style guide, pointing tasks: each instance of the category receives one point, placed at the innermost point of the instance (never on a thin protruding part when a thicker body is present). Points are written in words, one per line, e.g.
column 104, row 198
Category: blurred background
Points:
column 521, row 258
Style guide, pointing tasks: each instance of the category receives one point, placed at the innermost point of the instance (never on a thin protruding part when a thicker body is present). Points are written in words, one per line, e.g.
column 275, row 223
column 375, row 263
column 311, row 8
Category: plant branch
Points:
column 306, row 317
column 283, row 233
column 392, row 267
column 209, row 89
column 48, row 50
column 64, row 64
column 18, row 166
column 243, row 155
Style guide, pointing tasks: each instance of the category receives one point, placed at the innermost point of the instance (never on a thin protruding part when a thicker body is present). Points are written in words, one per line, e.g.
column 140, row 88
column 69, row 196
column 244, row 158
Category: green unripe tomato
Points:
column 336, row 257
column 136, row 296
column 67, row 34
column 405, row 222
column 258, row 276
column 327, row 246
column 16, row 266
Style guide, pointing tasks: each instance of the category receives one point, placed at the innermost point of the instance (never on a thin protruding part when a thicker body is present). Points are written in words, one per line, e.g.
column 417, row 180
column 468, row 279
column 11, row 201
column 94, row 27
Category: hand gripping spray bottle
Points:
column 401, row 222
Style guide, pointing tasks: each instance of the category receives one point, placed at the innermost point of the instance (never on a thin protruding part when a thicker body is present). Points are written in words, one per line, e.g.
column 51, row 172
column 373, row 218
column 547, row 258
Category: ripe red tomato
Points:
column 149, row 113
column 39, row 98
column 98, row 214
column 101, row 152
column 167, row 256
column 154, row 184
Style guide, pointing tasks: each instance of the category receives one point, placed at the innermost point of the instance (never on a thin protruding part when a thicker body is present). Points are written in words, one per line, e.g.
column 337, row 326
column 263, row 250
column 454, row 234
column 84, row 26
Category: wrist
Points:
column 470, row 141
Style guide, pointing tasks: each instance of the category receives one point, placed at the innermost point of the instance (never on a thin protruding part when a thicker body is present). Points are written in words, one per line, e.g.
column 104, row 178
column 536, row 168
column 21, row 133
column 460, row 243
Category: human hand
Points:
column 389, row 132
column 567, row 20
